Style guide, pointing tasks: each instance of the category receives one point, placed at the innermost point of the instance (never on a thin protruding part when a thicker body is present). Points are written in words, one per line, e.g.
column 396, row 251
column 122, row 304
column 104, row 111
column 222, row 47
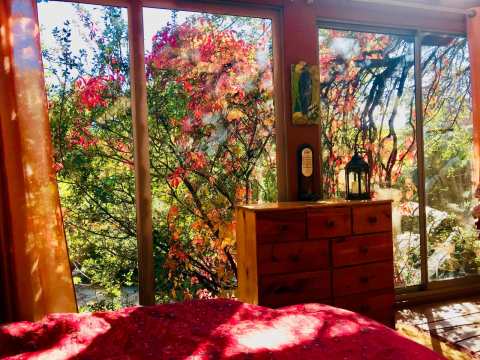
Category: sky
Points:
column 54, row 13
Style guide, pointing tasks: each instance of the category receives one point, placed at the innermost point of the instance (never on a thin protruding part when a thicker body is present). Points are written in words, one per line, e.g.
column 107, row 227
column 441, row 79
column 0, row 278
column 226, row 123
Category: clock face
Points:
column 307, row 162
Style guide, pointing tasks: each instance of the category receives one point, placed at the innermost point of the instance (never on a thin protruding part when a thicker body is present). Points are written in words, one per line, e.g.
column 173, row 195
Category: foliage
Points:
column 368, row 92
column 210, row 105
column 212, row 146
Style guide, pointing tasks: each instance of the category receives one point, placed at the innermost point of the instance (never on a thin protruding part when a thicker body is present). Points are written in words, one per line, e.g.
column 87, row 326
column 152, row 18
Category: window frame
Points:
column 143, row 196
column 427, row 288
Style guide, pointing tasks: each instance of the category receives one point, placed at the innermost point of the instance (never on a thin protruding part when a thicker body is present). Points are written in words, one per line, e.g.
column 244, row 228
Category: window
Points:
column 453, row 248
column 369, row 100
column 212, row 144
column 86, row 60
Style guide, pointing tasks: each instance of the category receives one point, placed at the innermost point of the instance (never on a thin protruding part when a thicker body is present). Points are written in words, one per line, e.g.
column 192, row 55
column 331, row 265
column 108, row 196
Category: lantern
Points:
column 357, row 182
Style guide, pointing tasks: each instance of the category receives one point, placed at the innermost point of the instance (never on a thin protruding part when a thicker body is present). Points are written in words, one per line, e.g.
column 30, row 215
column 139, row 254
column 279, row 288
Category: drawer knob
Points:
column 364, row 279
column 330, row 224
column 294, row 258
column 364, row 249
column 283, row 289
column 372, row 219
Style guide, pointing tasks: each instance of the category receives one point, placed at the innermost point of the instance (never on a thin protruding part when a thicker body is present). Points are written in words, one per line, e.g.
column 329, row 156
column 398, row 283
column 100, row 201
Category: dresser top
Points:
column 293, row 205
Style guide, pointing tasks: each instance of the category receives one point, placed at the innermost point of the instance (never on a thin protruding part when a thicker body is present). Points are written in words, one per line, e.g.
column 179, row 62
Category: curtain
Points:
column 34, row 268
column 473, row 34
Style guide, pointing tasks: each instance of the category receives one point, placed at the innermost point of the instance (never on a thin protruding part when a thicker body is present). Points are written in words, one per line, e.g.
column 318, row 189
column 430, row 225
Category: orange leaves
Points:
column 227, row 234
column 235, row 114
column 196, row 160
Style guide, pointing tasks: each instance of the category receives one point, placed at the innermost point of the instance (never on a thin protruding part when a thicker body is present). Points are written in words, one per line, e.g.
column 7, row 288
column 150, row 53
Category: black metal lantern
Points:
column 357, row 182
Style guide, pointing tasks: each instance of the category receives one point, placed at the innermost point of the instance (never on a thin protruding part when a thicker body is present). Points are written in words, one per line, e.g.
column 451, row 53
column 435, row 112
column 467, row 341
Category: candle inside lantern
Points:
column 355, row 187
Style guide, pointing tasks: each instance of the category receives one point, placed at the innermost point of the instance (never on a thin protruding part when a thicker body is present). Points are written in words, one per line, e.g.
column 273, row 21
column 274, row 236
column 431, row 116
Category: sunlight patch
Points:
column 278, row 334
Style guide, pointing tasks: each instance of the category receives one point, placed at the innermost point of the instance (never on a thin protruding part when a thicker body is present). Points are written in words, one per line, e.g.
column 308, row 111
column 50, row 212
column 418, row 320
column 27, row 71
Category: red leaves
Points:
column 196, row 160
column 91, row 90
column 186, row 125
column 82, row 138
column 57, row 166
column 165, row 38
column 176, row 177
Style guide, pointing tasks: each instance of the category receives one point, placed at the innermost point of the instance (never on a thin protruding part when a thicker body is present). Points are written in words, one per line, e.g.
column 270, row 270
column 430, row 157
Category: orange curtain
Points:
column 35, row 270
column 473, row 33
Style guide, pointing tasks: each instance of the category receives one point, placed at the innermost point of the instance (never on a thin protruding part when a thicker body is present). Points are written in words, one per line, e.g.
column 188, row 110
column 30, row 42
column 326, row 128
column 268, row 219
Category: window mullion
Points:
column 421, row 161
column 142, row 156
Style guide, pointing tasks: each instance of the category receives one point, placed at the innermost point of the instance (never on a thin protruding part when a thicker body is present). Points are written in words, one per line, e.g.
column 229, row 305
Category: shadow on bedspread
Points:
column 208, row 329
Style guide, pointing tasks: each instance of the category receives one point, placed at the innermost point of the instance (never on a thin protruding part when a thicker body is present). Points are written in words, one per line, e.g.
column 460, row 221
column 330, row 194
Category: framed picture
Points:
column 305, row 94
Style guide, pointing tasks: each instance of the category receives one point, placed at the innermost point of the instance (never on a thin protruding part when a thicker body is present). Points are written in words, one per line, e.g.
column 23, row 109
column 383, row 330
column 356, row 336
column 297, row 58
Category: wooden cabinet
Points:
column 331, row 252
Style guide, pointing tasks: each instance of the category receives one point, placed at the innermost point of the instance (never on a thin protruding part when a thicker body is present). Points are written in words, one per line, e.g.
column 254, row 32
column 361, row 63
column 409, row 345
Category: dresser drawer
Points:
column 377, row 306
column 363, row 278
column 362, row 249
column 282, row 290
column 372, row 219
column 280, row 226
column 326, row 223
column 291, row 257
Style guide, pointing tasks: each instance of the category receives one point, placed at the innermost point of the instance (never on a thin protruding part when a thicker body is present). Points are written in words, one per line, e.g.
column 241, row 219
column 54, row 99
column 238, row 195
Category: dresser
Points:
column 333, row 252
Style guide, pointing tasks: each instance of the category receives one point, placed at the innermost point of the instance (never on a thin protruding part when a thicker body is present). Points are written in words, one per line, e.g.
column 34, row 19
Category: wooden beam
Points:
column 142, row 158
column 473, row 35
column 422, row 215
column 419, row 6
column 281, row 110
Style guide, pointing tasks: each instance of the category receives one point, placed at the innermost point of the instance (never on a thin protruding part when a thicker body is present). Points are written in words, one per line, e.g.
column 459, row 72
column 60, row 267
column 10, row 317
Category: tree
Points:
column 368, row 92
column 211, row 129
column 211, row 125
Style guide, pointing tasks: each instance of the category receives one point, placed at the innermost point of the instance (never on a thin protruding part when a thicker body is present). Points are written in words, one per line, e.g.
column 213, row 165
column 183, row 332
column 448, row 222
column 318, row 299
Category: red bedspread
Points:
column 208, row 329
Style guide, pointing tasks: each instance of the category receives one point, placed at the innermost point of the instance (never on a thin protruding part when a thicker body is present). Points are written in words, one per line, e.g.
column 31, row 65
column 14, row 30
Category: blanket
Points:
column 208, row 330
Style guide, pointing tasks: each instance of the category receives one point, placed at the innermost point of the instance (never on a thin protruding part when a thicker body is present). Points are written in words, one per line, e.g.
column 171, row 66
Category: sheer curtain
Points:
column 473, row 33
column 34, row 265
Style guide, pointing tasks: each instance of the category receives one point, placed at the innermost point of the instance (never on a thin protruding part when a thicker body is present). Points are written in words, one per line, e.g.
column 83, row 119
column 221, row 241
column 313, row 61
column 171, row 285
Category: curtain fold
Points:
column 473, row 35
column 35, row 269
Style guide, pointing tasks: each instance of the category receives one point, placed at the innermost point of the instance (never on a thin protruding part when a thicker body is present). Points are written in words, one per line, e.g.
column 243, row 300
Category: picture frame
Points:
column 305, row 89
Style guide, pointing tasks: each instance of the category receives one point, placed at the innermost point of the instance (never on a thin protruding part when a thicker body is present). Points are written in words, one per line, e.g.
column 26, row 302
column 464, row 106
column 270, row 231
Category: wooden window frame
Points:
column 427, row 290
column 143, row 192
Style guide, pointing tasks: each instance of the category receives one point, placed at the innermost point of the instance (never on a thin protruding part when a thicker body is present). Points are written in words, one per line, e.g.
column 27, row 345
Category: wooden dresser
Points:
column 333, row 252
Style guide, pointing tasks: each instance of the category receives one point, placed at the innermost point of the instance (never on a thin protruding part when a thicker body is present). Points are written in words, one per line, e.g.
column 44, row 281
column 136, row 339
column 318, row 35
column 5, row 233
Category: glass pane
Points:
column 367, row 89
column 453, row 246
column 212, row 141
column 86, row 60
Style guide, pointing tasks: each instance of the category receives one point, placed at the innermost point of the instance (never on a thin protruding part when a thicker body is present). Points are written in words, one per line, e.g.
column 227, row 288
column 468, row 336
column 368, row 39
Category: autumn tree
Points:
column 211, row 127
column 368, row 97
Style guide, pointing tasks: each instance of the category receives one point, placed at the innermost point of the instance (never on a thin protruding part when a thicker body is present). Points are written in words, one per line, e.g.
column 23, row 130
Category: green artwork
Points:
column 305, row 94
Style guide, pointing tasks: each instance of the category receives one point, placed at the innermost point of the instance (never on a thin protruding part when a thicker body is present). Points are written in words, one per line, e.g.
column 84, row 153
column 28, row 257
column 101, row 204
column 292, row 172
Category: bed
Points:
column 208, row 329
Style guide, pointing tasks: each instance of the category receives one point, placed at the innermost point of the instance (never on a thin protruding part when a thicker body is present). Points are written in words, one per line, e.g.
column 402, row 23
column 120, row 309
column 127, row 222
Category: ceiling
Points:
column 461, row 4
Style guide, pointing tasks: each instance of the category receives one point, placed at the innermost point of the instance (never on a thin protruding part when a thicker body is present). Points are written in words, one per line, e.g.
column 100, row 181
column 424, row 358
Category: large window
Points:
column 148, row 186
column 370, row 100
column 86, row 60
column 212, row 145
column 212, row 141
column 453, row 246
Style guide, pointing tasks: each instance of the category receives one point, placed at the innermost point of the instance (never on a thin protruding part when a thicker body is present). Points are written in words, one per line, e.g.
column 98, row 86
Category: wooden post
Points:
column 143, row 190
column 422, row 216
column 473, row 32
